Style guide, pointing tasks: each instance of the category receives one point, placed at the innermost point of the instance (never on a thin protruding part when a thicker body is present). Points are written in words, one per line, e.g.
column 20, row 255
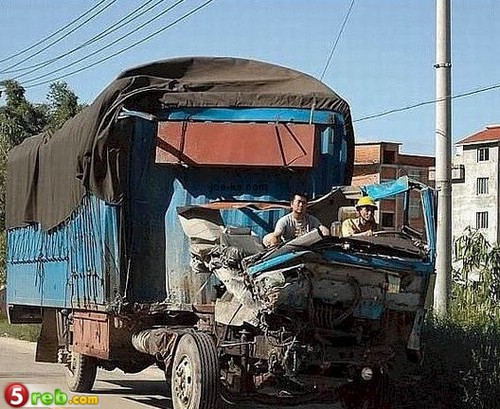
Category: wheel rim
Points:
column 183, row 381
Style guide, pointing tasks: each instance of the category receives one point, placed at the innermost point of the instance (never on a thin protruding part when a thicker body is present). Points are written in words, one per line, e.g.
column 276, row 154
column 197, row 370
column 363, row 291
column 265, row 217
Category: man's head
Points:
column 298, row 203
column 366, row 208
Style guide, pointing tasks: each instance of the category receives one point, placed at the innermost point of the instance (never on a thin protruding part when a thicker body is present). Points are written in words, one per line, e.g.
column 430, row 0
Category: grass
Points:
column 463, row 361
column 27, row 332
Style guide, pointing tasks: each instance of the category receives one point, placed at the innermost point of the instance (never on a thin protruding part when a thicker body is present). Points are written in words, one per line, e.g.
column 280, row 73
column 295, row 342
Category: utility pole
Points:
column 443, row 157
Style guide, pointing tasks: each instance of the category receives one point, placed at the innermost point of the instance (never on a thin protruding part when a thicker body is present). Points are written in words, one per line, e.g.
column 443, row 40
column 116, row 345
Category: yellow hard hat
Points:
column 366, row 201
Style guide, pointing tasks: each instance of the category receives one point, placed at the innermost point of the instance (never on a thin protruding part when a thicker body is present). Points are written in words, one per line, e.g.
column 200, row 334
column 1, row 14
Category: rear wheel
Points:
column 81, row 372
column 195, row 373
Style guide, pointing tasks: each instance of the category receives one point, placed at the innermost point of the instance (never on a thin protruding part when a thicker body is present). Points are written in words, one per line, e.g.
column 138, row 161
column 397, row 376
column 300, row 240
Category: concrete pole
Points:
column 443, row 157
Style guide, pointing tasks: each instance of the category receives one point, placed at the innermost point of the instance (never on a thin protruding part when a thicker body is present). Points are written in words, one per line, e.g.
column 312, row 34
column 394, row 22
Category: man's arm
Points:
column 276, row 237
column 348, row 228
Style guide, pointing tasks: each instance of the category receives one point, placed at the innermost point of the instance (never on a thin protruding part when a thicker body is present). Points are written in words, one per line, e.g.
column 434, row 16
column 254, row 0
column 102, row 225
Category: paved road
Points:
column 114, row 389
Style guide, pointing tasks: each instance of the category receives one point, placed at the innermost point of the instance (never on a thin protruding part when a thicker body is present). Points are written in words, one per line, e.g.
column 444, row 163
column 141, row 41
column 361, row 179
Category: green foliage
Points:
column 63, row 105
column 476, row 284
column 27, row 332
column 19, row 118
column 463, row 352
column 461, row 365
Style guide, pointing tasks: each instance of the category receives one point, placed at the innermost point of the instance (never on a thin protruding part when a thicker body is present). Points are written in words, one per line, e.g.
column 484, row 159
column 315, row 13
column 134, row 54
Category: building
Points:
column 475, row 196
column 377, row 162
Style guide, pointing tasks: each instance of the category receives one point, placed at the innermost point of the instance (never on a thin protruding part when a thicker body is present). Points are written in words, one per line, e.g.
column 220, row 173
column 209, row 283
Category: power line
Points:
column 125, row 49
column 116, row 26
column 114, row 42
column 433, row 101
column 53, row 34
column 61, row 38
column 337, row 40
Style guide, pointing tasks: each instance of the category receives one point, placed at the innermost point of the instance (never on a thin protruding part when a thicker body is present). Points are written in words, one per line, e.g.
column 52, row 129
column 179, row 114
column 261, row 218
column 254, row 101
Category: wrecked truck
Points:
column 134, row 238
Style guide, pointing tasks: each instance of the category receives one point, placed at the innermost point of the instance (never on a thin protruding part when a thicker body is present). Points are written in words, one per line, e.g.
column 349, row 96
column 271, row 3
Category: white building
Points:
column 476, row 200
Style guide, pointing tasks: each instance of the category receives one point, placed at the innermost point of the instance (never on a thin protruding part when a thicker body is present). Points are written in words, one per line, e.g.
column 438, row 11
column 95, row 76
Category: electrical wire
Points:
column 61, row 38
column 433, row 101
column 53, row 34
column 334, row 47
column 116, row 26
column 111, row 44
column 124, row 49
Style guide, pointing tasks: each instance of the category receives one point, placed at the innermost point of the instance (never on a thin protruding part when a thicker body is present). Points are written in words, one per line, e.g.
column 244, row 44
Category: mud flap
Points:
column 47, row 343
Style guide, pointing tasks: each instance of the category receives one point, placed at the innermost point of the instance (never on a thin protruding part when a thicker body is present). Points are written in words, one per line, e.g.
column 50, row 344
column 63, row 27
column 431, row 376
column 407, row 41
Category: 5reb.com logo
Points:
column 17, row 395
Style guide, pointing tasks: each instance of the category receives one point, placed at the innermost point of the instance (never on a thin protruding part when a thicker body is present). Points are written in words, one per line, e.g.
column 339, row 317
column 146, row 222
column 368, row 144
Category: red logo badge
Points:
column 16, row 395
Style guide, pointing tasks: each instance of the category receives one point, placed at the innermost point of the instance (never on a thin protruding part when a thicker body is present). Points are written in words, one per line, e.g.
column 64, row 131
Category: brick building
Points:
column 376, row 162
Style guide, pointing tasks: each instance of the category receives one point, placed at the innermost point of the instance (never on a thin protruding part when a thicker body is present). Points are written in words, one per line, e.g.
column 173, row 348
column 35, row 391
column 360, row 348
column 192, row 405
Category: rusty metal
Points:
column 236, row 144
column 91, row 334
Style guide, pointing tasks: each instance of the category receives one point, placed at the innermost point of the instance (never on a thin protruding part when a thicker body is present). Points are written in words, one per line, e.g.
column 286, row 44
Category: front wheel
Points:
column 195, row 373
column 81, row 372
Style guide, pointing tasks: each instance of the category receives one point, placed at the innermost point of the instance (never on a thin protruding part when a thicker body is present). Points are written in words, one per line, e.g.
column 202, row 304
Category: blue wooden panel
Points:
column 68, row 266
column 293, row 115
column 41, row 284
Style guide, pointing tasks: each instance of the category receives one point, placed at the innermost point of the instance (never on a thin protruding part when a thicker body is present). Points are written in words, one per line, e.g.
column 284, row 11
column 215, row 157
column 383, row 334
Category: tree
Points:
column 62, row 105
column 19, row 118
column 476, row 289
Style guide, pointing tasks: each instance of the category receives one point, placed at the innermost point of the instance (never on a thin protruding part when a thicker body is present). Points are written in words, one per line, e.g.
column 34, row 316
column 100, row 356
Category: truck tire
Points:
column 195, row 373
column 81, row 372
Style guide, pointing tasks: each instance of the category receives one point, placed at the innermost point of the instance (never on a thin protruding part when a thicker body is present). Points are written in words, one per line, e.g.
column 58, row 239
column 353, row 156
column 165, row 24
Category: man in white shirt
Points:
column 294, row 224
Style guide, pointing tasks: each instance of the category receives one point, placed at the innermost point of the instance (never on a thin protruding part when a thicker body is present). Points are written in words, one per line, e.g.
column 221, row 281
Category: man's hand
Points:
column 325, row 231
column 271, row 240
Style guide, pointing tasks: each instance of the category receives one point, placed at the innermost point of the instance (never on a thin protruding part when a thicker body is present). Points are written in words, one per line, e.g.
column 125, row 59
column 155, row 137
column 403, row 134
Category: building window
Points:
column 414, row 208
column 481, row 220
column 389, row 157
column 415, row 174
column 483, row 154
column 482, row 186
column 387, row 219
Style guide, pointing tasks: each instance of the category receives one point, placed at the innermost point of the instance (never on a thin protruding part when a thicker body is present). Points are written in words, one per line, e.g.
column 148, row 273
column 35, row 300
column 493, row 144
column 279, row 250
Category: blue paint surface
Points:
column 74, row 265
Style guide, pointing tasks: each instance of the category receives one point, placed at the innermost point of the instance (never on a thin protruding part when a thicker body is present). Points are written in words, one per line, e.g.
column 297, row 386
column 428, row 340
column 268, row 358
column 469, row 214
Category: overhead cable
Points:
column 433, row 101
column 334, row 47
column 110, row 44
column 111, row 29
column 125, row 49
column 53, row 34
column 61, row 38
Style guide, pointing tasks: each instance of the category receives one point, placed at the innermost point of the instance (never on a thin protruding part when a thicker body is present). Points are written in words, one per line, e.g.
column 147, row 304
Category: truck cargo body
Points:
column 106, row 253
column 135, row 238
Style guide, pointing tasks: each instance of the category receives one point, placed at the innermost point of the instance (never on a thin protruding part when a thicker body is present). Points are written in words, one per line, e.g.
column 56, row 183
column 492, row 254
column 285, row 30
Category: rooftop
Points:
column 490, row 134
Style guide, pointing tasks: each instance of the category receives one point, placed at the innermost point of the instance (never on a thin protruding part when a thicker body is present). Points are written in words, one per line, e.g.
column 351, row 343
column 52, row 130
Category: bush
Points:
column 463, row 352
column 26, row 332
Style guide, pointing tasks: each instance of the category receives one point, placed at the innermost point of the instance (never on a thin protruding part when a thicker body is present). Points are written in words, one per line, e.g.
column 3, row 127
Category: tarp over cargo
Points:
column 49, row 174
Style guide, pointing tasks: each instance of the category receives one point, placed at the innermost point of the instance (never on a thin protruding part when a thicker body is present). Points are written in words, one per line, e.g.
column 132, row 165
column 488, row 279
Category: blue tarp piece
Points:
column 387, row 189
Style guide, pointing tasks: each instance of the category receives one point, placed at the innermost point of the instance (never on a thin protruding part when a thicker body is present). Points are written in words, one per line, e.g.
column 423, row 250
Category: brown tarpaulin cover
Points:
column 49, row 174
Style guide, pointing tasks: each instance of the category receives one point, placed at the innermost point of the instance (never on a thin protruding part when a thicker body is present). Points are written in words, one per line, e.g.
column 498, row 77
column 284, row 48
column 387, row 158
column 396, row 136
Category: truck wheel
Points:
column 195, row 373
column 81, row 372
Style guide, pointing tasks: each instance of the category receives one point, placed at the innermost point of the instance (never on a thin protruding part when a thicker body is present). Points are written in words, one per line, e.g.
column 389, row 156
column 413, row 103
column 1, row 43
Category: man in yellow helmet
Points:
column 364, row 224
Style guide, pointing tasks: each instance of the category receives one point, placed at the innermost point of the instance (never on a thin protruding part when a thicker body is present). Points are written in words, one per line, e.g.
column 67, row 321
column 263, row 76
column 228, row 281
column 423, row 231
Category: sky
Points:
column 383, row 59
